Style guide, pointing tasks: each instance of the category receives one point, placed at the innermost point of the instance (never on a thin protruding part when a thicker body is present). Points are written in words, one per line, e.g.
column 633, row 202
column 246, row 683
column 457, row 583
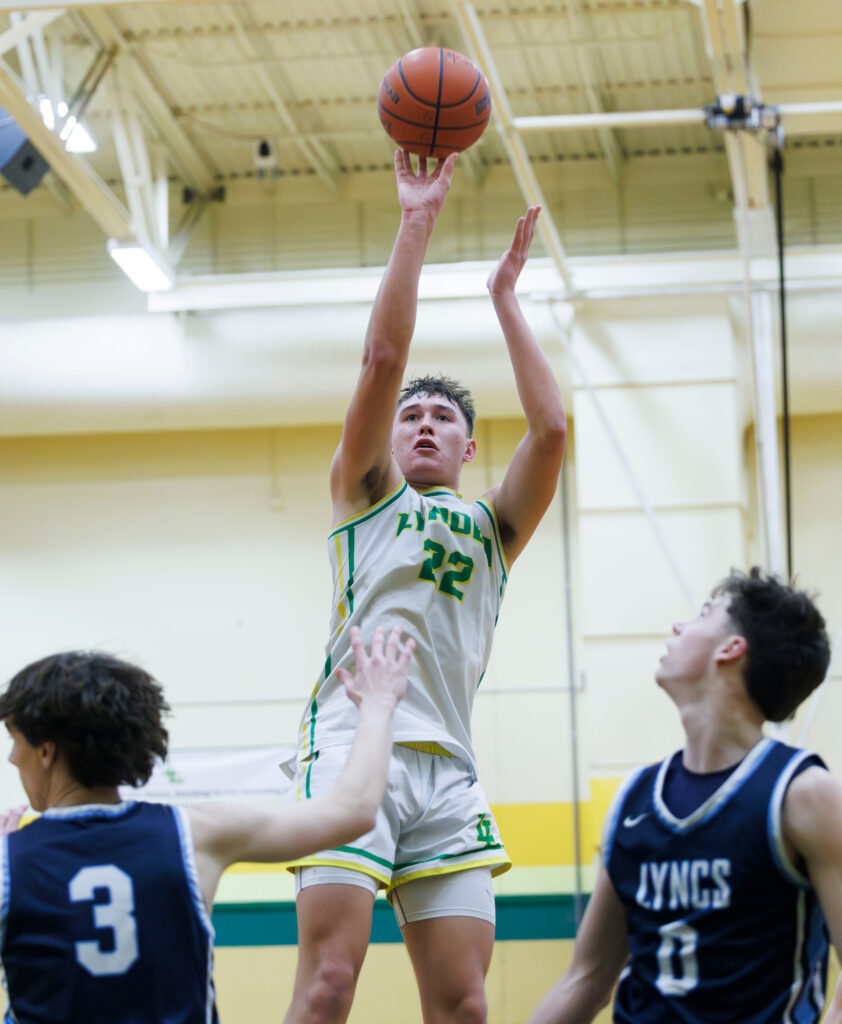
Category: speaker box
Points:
column 20, row 162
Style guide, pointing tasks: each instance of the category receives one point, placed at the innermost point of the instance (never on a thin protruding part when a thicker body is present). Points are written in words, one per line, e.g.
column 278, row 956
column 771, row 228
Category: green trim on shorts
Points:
column 367, row 855
column 449, row 856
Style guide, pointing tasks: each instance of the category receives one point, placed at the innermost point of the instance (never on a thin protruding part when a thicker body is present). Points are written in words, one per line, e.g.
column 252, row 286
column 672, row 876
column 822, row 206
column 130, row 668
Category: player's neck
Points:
column 73, row 794
column 427, row 485
column 715, row 741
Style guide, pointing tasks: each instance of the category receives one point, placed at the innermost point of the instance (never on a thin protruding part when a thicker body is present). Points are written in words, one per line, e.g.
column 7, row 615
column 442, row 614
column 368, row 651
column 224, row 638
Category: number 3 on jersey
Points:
column 117, row 913
column 461, row 573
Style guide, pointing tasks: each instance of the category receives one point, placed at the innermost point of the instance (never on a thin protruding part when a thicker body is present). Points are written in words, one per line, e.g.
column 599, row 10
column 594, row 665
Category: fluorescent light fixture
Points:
column 144, row 268
column 74, row 135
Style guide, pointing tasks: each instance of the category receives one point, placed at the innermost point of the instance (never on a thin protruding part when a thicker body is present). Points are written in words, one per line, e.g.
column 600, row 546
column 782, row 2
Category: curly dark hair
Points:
column 788, row 648
column 103, row 714
column 448, row 388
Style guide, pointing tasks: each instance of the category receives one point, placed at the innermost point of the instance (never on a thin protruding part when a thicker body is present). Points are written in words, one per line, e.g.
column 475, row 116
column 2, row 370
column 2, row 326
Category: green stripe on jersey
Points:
column 349, row 589
column 493, row 517
column 373, row 511
column 307, row 777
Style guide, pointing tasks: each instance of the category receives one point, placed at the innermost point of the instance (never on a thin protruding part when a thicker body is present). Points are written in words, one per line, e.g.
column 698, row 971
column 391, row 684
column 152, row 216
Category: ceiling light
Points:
column 74, row 135
column 145, row 269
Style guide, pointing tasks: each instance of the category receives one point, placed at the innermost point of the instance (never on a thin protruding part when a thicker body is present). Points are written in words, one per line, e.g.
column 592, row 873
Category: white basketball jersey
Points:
column 434, row 565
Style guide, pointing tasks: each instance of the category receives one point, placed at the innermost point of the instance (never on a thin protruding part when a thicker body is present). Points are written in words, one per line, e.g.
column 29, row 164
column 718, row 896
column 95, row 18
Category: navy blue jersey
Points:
column 722, row 927
column 103, row 920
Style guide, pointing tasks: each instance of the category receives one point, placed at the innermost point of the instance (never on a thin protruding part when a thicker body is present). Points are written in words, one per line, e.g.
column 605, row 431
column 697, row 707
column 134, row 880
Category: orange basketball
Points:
column 433, row 102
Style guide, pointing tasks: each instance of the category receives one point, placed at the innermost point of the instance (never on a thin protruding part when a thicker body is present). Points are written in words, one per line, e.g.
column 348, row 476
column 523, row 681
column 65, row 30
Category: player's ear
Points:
column 470, row 450
column 732, row 648
column 47, row 753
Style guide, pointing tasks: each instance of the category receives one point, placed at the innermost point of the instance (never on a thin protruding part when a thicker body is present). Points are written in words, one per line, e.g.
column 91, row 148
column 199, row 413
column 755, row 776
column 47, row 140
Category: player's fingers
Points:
column 444, row 170
column 520, row 231
column 531, row 221
column 344, row 676
column 377, row 644
column 407, row 651
column 393, row 642
column 358, row 648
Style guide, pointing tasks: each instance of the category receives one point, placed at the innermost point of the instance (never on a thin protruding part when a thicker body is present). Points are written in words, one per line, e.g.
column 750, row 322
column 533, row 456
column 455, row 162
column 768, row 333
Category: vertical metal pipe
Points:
column 578, row 900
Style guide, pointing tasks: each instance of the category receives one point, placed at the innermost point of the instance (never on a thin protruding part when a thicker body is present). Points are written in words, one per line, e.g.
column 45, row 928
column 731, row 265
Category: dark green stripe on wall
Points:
column 273, row 924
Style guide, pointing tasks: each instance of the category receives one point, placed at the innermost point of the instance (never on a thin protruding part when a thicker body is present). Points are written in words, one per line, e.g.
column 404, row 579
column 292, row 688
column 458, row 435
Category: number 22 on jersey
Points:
column 463, row 567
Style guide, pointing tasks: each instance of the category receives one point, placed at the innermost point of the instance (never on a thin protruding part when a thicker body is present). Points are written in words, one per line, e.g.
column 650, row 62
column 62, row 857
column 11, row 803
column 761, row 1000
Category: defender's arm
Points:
column 812, row 827
column 225, row 833
column 599, row 954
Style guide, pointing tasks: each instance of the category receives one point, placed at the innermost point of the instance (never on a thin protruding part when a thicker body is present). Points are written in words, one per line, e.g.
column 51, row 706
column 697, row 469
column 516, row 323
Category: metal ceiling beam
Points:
column 512, row 142
column 191, row 162
column 318, row 157
column 48, row 5
column 90, row 190
column 25, row 27
column 640, row 118
column 726, row 51
column 584, row 61
column 135, row 164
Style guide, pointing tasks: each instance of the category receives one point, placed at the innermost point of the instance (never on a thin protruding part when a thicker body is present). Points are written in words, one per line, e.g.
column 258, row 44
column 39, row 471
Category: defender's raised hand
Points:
column 382, row 674
column 10, row 819
column 504, row 276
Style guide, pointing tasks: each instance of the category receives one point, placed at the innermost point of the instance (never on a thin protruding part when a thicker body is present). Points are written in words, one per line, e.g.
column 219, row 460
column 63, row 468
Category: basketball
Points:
column 434, row 102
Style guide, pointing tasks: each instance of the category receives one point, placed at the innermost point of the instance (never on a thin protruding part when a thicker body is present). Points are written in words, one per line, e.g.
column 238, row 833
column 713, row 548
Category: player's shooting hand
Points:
column 504, row 276
column 10, row 819
column 422, row 192
column 380, row 675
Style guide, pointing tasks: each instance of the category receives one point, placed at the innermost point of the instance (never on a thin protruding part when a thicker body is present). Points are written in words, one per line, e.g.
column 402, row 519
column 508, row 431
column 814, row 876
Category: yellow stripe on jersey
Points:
column 340, row 605
column 426, row 747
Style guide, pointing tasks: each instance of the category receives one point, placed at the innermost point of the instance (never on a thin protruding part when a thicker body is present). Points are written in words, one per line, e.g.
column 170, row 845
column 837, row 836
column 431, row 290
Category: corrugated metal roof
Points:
column 304, row 76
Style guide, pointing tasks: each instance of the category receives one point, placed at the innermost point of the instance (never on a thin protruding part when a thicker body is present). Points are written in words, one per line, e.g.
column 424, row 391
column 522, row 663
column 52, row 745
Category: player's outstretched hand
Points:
column 10, row 820
column 382, row 674
column 422, row 192
column 504, row 276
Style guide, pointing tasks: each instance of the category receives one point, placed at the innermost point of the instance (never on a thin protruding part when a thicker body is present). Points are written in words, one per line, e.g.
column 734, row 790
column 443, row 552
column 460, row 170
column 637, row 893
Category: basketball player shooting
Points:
column 405, row 545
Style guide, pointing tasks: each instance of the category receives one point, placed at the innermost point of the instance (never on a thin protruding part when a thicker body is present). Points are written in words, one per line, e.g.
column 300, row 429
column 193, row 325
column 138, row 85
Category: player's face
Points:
column 430, row 441
column 27, row 760
column 692, row 648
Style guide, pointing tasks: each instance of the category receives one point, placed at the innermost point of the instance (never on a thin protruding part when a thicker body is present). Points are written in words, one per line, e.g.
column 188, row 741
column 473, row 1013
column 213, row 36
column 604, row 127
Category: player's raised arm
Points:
column 531, row 479
column 363, row 469
column 599, row 954
column 811, row 821
column 225, row 833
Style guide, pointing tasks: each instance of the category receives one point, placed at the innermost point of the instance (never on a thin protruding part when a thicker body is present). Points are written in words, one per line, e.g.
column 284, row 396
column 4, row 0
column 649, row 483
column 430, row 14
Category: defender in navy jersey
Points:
column 722, row 865
column 405, row 544
column 105, row 913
